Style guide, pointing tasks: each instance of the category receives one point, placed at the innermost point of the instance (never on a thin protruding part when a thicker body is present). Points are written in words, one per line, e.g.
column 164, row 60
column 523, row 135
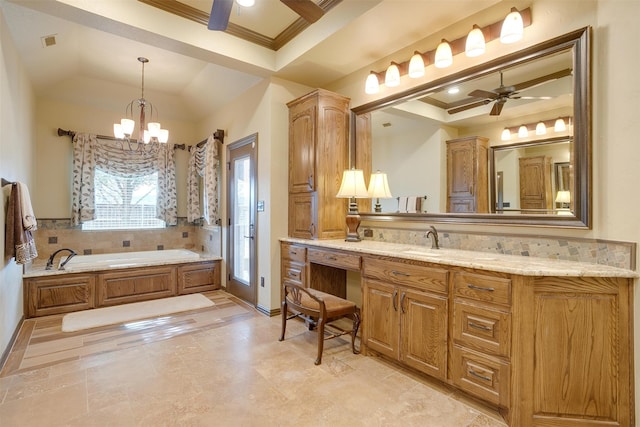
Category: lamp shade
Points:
column 246, row 3
column 541, row 128
column 353, row 185
column 560, row 125
column 117, row 131
column 127, row 126
column 506, row 134
column 372, row 85
column 379, row 186
column 392, row 76
column 416, row 66
column 475, row 44
column 512, row 27
column 444, row 56
column 563, row 196
column 523, row 132
column 163, row 136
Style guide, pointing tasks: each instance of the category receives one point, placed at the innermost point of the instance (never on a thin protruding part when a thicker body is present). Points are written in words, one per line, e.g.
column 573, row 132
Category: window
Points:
column 124, row 202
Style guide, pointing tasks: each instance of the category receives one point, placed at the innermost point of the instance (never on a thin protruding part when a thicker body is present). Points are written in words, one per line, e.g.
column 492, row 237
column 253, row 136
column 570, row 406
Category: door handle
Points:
column 250, row 236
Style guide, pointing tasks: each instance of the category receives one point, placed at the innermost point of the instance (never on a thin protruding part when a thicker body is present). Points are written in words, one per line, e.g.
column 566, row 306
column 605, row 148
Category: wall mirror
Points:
column 406, row 137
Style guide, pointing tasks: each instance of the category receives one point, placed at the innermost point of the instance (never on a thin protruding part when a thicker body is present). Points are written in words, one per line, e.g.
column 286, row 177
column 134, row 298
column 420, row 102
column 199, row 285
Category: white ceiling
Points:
column 101, row 39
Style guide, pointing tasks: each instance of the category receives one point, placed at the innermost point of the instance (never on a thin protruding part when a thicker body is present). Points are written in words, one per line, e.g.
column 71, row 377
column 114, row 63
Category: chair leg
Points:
column 354, row 332
column 284, row 319
column 320, row 340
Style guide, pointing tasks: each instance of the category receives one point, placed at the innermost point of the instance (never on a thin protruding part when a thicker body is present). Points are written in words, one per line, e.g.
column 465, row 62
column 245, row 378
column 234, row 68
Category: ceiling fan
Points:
column 221, row 9
column 503, row 93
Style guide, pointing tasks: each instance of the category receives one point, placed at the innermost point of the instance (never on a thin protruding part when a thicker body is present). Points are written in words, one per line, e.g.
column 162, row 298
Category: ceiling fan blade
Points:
column 469, row 106
column 497, row 108
column 479, row 93
column 307, row 9
column 219, row 18
column 543, row 79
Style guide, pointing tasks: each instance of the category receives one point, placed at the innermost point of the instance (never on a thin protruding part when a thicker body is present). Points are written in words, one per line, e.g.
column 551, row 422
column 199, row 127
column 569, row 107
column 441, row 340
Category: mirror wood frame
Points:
column 580, row 42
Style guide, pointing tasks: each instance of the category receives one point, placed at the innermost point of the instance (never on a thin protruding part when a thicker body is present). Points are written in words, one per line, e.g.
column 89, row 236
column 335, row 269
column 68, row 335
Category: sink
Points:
column 424, row 252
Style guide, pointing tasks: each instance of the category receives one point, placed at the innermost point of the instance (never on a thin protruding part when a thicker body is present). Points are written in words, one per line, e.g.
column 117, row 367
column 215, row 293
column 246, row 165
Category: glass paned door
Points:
column 241, row 279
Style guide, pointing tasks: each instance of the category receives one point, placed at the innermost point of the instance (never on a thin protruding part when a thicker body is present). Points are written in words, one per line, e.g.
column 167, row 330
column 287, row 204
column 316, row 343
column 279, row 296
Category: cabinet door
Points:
column 460, row 169
column 535, row 183
column 302, row 131
column 381, row 328
column 200, row 277
column 302, row 216
column 423, row 330
column 59, row 294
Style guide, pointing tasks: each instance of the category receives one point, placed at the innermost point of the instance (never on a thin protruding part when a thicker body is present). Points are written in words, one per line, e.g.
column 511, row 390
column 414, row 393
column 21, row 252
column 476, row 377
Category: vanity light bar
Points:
column 491, row 32
column 532, row 126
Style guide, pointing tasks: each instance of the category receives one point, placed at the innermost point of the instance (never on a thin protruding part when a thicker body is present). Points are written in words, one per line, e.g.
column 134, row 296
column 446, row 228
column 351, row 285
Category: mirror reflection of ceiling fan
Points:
column 502, row 94
column 221, row 9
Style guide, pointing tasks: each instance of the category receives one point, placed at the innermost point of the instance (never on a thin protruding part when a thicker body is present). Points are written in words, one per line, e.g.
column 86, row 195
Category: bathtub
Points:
column 128, row 259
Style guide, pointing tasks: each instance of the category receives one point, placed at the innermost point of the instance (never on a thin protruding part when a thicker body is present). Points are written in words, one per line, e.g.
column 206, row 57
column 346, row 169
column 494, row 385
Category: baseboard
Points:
column 12, row 341
column 270, row 313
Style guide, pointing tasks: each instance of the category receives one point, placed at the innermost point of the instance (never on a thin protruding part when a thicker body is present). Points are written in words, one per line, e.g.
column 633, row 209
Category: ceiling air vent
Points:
column 48, row 41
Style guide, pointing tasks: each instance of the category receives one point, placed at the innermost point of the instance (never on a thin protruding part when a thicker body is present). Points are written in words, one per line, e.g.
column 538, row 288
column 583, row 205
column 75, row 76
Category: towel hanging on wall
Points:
column 19, row 243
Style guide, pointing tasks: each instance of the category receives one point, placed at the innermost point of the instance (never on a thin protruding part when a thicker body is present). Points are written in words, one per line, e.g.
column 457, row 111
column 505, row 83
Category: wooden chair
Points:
column 318, row 309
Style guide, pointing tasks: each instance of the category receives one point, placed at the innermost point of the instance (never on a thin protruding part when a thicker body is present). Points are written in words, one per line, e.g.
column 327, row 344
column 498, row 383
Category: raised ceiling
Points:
column 99, row 40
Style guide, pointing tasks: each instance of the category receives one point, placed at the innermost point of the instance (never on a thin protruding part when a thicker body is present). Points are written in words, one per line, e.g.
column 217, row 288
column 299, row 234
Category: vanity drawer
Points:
column 294, row 252
column 293, row 272
column 484, row 377
column 419, row 276
column 482, row 328
column 480, row 287
column 334, row 259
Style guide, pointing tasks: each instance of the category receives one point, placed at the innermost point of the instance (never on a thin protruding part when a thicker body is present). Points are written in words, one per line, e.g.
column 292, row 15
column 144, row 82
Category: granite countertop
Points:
column 37, row 269
column 512, row 264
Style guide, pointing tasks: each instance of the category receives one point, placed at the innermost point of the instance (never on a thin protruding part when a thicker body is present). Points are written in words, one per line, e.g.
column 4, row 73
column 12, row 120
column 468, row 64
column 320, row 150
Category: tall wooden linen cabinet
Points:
column 467, row 160
column 318, row 155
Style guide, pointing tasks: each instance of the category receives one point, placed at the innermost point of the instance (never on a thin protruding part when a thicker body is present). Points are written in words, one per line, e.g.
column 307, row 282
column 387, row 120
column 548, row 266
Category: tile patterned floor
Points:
column 218, row 366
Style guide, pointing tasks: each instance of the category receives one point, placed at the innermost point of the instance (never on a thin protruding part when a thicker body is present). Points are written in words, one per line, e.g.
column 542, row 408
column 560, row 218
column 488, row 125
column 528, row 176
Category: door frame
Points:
column 253, row 213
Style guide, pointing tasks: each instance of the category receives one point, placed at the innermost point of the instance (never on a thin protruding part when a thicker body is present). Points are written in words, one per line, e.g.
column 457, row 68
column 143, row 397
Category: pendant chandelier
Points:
column 153, row 132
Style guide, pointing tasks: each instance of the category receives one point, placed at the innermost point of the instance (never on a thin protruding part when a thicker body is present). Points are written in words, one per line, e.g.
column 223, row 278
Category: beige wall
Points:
column 17, row 144
column 262, row 110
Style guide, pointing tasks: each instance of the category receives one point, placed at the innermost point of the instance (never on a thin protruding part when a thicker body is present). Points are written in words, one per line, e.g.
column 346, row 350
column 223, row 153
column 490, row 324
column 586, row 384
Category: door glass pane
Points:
column 241, row 220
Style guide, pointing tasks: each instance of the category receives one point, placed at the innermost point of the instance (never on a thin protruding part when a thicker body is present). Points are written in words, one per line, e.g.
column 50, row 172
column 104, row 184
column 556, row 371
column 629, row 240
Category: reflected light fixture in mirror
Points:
column 559, row 125
column 353, row 187
column 379, row 188
column 444, row 56
column 541, row 129
column 523, row 132
column 506, row 135
column 475, row 42
column 512, row 27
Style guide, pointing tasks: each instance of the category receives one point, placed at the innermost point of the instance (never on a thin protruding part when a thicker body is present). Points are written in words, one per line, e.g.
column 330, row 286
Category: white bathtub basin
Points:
column 127, row 259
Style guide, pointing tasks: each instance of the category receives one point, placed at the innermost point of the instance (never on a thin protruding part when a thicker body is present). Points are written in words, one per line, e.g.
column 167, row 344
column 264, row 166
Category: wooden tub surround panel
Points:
column 545, row 342
column 63, row 293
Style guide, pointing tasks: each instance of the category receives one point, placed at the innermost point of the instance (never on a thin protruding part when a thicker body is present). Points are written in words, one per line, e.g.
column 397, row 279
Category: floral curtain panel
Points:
column 204, row 162
column 110, row 157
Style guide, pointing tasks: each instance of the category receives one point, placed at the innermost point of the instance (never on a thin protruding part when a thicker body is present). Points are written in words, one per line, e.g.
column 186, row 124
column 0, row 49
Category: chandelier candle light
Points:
column 153, row 133
column 353, row 187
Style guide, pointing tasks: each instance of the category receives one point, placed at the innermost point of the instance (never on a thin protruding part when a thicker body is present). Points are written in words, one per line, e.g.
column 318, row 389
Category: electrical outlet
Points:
column 261, row 282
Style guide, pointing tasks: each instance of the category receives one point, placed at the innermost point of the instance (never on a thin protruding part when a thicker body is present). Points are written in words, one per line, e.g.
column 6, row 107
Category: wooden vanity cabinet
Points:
column 318, row 155
column 293, row 268
column 467, row 174
column 406, row 312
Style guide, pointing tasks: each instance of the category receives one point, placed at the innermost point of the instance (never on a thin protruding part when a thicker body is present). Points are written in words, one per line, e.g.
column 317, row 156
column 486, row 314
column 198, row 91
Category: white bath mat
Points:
column 134, row 311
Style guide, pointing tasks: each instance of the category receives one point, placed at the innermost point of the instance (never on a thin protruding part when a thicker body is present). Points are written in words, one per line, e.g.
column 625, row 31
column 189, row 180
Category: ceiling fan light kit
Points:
column 473, row 44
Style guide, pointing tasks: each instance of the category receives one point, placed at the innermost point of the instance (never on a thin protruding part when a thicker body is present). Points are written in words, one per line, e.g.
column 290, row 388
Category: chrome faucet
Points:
column 62, row 264
column 433, row 233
